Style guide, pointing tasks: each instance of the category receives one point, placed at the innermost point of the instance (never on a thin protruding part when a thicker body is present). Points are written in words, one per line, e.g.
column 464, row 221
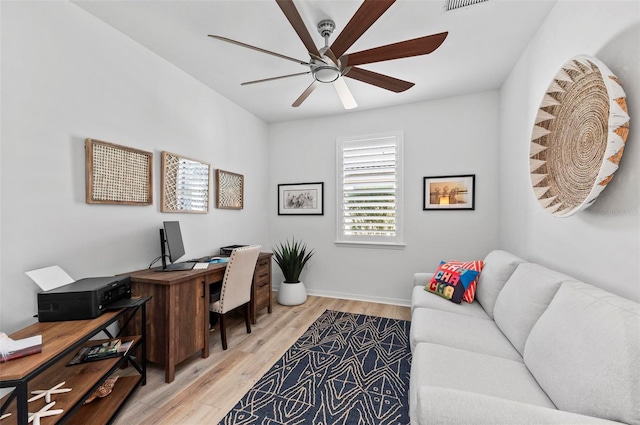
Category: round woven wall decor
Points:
column 578, row 136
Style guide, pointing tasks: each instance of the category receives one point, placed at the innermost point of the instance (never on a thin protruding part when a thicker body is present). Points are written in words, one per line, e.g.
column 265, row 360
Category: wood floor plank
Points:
column 206, row 389
column 135, row 411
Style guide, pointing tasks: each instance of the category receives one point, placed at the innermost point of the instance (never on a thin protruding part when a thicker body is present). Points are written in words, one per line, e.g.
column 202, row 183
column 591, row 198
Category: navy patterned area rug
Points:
column 346, row 369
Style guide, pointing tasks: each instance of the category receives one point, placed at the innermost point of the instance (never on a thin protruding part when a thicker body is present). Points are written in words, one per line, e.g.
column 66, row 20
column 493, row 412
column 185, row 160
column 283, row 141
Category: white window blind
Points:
column 370, row 189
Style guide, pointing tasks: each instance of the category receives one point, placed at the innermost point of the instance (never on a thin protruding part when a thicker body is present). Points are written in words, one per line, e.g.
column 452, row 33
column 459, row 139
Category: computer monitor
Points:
column 171, row 237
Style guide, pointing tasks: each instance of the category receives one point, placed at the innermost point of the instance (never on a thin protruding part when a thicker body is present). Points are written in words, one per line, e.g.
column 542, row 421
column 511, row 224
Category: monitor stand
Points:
column 170, row 267
column 176, row 266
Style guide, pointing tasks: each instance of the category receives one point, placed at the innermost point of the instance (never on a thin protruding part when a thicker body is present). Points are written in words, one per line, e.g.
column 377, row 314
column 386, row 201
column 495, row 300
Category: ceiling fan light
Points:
column 326, row 74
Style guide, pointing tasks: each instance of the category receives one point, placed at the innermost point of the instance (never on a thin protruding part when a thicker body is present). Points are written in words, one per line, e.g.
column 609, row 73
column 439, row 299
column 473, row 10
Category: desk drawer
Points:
column 262, row 282
column 262, row 296
column 263, row 263
column 214, row 277
column 262, row 273
column 261, row 288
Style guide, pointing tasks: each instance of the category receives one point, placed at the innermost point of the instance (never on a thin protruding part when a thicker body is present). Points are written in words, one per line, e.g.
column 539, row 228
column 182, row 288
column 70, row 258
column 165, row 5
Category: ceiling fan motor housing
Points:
column 326, row 27
column 325, row 72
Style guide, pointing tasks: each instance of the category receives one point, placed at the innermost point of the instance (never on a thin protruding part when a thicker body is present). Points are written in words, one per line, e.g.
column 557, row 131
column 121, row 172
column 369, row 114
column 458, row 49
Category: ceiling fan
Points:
column 330, row 63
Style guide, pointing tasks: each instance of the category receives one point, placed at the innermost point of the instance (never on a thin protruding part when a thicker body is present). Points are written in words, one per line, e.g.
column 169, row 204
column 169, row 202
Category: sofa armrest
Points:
column 421, row 279
column 437, row 405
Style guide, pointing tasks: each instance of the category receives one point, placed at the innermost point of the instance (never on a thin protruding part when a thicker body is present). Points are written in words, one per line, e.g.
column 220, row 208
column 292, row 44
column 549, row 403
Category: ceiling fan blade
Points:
column 292, row 15
column 404, row 49
column 333, row 57
column 274, row 78
column 365, row 16
column 305, row 94
column 318, row 58
column 344, row 94
column 380, row 80
column 248, row 46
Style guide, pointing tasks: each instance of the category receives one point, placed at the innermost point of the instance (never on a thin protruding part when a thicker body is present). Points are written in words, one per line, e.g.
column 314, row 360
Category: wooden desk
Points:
column 178, row 312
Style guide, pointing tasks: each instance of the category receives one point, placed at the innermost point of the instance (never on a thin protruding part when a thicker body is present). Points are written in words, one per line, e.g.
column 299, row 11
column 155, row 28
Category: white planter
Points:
column 292, row 293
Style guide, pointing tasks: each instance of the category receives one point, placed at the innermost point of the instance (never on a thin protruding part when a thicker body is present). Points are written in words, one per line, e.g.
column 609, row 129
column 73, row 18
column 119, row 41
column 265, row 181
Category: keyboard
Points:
column 198, row 266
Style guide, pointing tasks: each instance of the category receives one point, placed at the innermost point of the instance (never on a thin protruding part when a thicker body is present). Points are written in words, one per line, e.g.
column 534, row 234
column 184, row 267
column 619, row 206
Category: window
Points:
column 370, row 190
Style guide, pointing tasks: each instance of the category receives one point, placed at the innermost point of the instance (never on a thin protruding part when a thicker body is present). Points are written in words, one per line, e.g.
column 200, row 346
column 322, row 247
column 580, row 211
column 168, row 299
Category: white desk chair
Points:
column 236, row 287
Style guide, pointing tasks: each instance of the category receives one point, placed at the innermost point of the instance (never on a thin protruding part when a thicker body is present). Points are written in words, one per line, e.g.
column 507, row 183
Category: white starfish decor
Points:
column 44, row 412
column 47, row 393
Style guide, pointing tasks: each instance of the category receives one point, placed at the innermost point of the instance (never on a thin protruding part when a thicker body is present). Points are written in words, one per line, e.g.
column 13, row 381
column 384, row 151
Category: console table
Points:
column 178, row 312
column 60, row 343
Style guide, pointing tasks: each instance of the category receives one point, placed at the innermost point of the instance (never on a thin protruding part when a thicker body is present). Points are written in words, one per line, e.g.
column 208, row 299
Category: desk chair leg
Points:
column 247, row 318
column 223, row 331
column 213, row 319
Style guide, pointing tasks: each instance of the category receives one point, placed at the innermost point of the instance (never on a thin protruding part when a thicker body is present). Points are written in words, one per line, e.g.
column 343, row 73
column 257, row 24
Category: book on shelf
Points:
column 13, row 349
column 104, row 350
column 124, row 347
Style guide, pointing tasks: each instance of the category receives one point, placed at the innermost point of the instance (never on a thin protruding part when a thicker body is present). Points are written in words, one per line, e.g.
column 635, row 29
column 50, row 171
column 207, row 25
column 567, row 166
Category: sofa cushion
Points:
column 498, row 267
column 585, row 351
column 441, row 366
column 451, row 281
column 472, row 408
column 460, row 331
column 421, row 298
column 523, row 299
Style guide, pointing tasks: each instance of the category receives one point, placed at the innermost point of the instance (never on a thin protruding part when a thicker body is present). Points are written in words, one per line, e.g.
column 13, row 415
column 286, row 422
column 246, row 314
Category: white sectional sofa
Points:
column 535, row 347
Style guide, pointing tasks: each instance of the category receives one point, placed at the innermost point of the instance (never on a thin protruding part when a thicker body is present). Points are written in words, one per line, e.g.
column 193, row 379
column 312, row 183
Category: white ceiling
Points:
column 484, row 43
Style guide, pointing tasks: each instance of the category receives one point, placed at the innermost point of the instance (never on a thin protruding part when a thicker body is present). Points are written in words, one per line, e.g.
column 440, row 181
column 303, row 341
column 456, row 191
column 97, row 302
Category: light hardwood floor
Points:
column 206, row 389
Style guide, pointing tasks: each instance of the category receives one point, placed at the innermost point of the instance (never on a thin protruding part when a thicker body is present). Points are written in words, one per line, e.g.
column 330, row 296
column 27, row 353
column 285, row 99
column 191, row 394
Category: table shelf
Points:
column 61, row 342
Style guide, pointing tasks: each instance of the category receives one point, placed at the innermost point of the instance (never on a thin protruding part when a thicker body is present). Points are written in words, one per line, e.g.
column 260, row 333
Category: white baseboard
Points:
column 356, row 297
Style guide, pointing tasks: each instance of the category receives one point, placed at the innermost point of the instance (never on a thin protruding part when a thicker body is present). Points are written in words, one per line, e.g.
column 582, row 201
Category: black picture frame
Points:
column 449, row 192
column 301, row 198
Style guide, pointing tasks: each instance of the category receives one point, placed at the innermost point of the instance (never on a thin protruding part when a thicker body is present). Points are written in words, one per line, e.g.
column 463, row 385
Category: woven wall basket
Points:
column 578, row 136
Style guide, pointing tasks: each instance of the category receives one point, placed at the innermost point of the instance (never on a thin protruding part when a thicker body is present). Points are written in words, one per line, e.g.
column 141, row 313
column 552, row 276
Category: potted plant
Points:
column 291, row 257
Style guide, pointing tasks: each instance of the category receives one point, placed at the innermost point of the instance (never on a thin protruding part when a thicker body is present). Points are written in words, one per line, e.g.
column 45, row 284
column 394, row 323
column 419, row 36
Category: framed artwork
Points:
column 301, row 199
column 185, row 184
column 117, row 174
column 449, row 192
column 230, row 190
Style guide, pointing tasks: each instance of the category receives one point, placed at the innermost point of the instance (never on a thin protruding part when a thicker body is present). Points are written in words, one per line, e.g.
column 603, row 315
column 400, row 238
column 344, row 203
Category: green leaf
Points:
column 291, row 257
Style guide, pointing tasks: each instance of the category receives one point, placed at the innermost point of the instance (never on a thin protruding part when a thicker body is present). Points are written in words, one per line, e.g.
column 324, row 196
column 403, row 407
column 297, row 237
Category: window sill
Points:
column 375, row 245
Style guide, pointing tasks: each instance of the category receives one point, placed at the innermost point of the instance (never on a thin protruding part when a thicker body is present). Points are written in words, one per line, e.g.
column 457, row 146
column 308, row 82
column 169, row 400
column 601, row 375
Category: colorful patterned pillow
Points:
column 470, row 293
column 451, row 281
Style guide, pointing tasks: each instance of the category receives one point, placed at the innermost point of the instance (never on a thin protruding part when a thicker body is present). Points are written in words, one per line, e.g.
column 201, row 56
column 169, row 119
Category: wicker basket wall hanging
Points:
column 578, row 136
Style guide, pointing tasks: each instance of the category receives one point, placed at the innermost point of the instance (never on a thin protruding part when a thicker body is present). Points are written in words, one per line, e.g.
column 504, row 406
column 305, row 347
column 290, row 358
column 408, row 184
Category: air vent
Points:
column 457, row 4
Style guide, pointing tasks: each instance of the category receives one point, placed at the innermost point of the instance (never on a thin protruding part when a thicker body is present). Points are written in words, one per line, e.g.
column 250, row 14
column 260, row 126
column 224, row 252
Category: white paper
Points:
column 8, row 345
column 50, row 277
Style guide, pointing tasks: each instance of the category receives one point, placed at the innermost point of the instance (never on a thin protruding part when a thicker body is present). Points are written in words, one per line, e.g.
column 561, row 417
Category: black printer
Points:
column 83, row 299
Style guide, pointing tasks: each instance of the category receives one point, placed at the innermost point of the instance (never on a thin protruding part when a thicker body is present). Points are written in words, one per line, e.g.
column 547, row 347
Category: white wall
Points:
column 443, row 137
column 599, row 245
column 67, row 76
